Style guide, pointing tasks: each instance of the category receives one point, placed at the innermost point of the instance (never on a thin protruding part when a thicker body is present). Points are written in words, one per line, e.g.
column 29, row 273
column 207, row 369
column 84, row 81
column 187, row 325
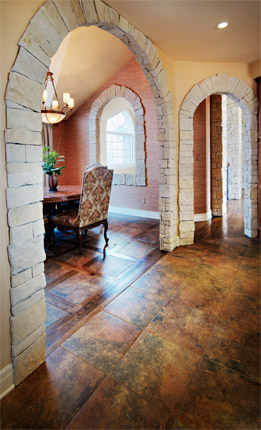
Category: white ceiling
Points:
column 185, row 29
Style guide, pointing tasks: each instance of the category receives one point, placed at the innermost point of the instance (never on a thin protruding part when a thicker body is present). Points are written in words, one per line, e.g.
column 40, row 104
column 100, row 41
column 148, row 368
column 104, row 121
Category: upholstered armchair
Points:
column 93, row 207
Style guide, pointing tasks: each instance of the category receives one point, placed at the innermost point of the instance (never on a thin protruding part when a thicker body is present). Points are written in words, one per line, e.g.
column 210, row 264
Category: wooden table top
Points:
column 64, row 193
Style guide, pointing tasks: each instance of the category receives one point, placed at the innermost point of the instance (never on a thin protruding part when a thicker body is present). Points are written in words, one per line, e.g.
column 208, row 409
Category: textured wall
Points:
column 74, row 146
column 201, row 125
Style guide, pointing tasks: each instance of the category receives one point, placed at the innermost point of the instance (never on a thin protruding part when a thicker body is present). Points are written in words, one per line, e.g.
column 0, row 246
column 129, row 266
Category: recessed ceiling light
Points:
column 223, row 24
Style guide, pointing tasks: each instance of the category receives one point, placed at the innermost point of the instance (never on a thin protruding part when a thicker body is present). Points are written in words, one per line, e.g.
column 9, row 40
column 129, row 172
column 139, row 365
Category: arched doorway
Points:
column 52, row 22
column 245, row 98
column 94, row 132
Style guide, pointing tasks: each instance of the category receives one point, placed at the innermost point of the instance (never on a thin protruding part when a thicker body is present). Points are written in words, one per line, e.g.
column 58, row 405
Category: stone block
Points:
column 102, row 11
column 241, row 89
column 30, row 44
column 26, row 290
column 26, row 64
column 214, row 81
column 186, row 182
column 186, row 198
column 33, row 153
column 13, row 168
column 186, row 241
column 55, row 18
column 21, row 346
column 25, row 195
column 24, row 137
column 15, row 153
column 38, row 269
column 222, row 79
column 114, row 16
column 38, row 228
column 24, row 178
column 231, row 84
column 24, row 91
column 25, row 214
column 22, row 306
column 186, row 124
column 167, row 191
column 27, row 254
column 28, row 321
column 186, row 135
column 186, row 226
column 24, row 120
column 21, row 278
column 204, row 88
column 29, row 360
column 71, row 13
column 124, row 25
column 21, row 234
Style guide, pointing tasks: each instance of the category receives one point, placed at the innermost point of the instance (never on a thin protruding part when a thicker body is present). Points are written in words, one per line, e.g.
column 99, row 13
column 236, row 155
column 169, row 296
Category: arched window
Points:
column 120, row 148
column 117, row 136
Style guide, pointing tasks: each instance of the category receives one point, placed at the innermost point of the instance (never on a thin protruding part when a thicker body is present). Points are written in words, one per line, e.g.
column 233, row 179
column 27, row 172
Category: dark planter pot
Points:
column 53, row 182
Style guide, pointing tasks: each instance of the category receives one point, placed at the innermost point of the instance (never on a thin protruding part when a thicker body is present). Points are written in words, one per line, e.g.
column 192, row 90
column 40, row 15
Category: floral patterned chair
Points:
column 94, row 204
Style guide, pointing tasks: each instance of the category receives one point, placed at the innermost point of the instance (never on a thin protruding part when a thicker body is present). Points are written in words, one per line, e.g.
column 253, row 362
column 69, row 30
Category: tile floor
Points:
column 146, row 339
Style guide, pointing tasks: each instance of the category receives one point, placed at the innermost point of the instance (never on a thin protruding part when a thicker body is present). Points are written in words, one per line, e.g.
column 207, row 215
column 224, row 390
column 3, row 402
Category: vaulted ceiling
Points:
column 184, row 29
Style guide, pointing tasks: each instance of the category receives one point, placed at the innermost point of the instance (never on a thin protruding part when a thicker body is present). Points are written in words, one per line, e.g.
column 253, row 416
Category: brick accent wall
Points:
column 74, row 135
column 201, row 153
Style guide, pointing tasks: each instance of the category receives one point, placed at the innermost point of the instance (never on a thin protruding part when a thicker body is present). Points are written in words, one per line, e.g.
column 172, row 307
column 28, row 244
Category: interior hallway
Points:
column 145, row 339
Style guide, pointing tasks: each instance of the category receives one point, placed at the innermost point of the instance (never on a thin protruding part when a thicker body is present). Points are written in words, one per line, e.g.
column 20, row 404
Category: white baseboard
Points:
column 6, row 380
column 134, row 212
column 203, row 217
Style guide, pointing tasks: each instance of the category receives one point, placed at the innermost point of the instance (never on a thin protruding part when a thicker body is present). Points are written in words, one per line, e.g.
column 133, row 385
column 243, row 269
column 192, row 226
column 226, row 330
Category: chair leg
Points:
column 79, row 234
column 105, row 223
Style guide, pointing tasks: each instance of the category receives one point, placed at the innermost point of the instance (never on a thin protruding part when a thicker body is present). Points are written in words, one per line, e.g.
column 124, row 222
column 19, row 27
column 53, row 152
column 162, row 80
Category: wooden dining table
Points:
column 64, row 193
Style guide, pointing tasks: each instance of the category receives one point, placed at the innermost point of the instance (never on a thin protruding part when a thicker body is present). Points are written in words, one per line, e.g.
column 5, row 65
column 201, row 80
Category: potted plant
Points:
column 49, row 165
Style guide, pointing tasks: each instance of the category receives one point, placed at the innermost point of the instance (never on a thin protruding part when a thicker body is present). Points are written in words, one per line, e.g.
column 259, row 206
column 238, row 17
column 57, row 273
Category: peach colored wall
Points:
column 75, row 133
column 201, row 124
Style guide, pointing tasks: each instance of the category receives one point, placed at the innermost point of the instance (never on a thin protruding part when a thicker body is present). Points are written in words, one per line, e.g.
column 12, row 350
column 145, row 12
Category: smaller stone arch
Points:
column 94, row 132
column 245, row 98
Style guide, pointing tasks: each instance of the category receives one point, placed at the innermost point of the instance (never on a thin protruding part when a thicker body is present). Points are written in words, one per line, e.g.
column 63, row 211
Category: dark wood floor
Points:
column 148, row 339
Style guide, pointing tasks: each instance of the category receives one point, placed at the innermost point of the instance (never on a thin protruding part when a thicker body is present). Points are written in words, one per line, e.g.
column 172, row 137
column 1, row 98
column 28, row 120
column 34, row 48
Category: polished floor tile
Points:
column 103, row 340
column 50, row 397
column 248, row 281
column 75, row 259
column 54, row 270
column 239, row 350
column 80, row 287
column 53, row 313
column 158, row 370
column 113, row 406
column 158, row 281
column 135, row 306
column 110, row 266
column 212, row 275
column 176, row 347
column 241, row 311
column 206, row 298
column 184, row 326
column 136, row 250
column 219, row 398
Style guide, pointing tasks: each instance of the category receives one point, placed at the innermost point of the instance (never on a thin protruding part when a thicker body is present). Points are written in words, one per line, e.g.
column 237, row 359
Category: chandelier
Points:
column 55, row 114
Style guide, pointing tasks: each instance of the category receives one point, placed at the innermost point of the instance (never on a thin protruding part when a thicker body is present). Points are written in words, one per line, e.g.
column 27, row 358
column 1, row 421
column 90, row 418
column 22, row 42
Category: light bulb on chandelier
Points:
column 55, row 114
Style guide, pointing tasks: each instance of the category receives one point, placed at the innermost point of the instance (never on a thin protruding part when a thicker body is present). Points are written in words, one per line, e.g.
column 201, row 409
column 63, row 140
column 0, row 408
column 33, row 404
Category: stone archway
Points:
column 42, row 37
column 245, row 98
column 94, row 132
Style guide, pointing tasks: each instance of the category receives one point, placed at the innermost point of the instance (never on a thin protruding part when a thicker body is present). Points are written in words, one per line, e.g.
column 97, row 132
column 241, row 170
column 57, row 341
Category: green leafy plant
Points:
column 50, row 160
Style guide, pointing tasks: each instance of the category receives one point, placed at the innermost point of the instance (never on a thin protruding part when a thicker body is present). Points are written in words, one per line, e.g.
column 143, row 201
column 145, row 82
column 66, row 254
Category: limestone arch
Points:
column 94, row 132
column 40, row 41
column 245, row 98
